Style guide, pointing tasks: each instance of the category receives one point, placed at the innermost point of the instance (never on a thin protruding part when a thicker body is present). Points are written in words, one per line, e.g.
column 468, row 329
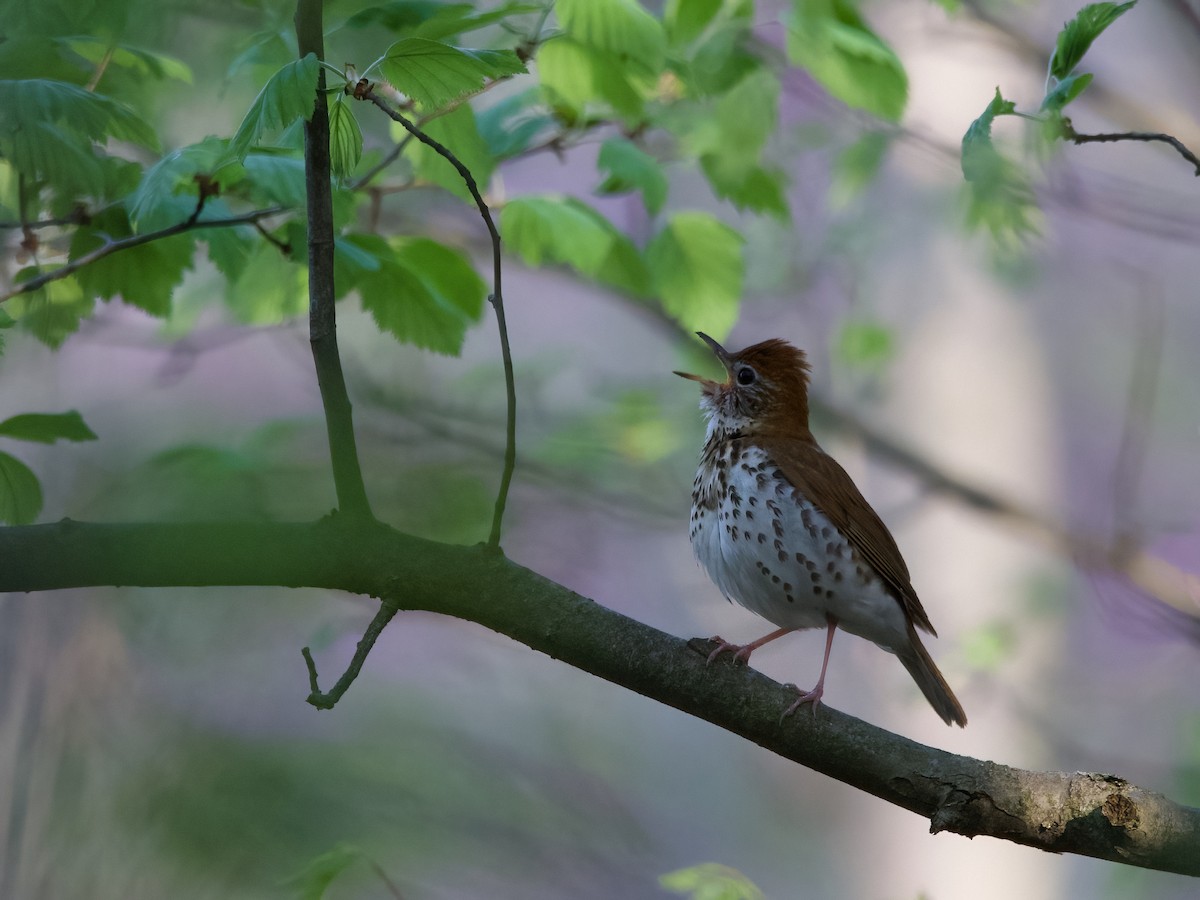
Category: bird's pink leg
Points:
column 814, row 696
column 741, row 652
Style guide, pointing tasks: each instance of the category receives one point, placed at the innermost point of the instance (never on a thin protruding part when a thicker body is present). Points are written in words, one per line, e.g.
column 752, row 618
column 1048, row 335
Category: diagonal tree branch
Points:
column 1094, row 815
column 497, row 300
column 192, row 223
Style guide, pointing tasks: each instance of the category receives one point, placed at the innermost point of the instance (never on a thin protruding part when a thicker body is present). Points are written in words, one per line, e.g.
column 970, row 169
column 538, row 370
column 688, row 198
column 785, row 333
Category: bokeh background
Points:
column 156, row 743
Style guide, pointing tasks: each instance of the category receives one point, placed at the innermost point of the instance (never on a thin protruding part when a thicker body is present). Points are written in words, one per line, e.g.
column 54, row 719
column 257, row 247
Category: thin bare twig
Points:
column 191, row 223
column 328, row 700
column 496, row 299
column 1071, row 134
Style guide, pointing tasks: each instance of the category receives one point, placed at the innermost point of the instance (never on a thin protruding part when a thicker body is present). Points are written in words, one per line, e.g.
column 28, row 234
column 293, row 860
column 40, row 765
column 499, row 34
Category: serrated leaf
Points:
column 289, row 94
column 698, row 269
column 144, row 63
column 460, row 18
column 271, row 287
column 620, row 28
column 433, row 73
column 345, row 138
column 275, row 178
column 999, row 196
column 154, row 203
column 20, row 492
column 458, row 133
column 556, row 229
column 1065, row 91
column 424, row 293
column 730, row 143
column 979, row 156
column 1078, row 34
column 398, row 16
column 144, row 276
column 509, row 126
column 630, row 168
column 830, row 39
column 575, row 77
column 46, row 428
column 685, row 20
column 52, row 313
column 77, row 113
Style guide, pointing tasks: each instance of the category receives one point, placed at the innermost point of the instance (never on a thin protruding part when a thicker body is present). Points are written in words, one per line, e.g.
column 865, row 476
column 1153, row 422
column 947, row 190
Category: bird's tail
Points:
column 921, row 667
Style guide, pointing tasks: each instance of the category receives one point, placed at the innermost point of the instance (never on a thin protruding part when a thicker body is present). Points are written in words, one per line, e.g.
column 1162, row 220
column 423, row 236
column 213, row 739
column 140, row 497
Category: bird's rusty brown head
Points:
column 766, row 386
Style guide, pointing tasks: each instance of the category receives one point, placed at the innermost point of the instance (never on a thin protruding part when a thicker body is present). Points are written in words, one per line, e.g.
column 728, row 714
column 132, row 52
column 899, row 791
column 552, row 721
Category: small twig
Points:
column 496, row 299
column 136, row 240
column 285, row 247
column 328, row 700
column 1071, row 134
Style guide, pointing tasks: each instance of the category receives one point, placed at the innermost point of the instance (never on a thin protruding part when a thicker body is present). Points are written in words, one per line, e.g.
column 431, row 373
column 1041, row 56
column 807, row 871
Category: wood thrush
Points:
column 782, row 529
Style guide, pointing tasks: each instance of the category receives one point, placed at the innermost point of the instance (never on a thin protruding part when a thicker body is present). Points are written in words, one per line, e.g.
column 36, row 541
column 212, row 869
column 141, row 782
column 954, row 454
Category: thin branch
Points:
column 328, row 700
column 1095, row 815
column 1071, row 134
column 192, row 223
column 496, row 298
column 322, row 316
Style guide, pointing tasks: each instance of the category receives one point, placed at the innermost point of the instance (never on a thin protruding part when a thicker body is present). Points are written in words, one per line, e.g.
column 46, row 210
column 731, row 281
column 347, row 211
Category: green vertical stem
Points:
column 322, row 319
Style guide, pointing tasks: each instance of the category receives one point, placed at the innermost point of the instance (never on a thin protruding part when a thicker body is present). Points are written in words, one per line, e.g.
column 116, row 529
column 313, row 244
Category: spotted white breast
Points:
column 775, row 553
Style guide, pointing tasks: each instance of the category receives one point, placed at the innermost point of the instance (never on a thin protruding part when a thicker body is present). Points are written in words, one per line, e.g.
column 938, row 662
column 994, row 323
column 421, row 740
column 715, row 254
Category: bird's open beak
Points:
column 720, row 352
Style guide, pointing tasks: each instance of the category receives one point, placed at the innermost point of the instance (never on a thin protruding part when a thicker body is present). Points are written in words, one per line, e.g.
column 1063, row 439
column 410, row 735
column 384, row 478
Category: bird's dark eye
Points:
column 745, row 375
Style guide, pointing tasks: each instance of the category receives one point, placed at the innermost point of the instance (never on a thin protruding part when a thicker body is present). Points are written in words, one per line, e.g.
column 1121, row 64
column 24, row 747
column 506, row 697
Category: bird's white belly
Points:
column 779, row 556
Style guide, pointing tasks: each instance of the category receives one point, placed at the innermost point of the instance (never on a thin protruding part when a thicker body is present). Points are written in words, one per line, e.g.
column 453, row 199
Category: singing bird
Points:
column 783, row 530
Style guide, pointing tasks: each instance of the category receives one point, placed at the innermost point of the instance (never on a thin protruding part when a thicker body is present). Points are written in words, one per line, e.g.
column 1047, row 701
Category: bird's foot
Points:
column 814, row 697
column 741, row 652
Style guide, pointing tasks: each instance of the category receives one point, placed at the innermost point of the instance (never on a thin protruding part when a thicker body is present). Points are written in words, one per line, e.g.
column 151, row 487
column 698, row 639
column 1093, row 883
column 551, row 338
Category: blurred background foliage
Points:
column 752, row 169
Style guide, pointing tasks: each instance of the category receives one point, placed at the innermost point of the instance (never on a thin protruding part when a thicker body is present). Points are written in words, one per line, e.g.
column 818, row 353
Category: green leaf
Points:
column 556, row 229
column 143, row 63
column 856, row 167
column 422, row 292
column 53, row 313
column 830, row 39
column 276, row 178
column 460, row 18
column 620, row 28
column 711, row 881
column 979, row 156
column 509, row 126
column 575, row 77
column 1065, row 91
column 75, row 112
column 630, row 168
column 865, row 344
column 20, row 492
column 155, row 204
column 697, row 266
column 314, row 880
column 730, row 144
column 271, row 288
column 290, row 94
column 1077, row 35
column 345, row 138
column 433, row 73
column 46, row 428
column 144, row 276
column 685, row 20
column 457, row 132
column 999, row 196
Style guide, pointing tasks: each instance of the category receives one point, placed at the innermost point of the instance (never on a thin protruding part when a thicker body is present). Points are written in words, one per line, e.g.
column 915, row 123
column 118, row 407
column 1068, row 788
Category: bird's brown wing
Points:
column 826, row 485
